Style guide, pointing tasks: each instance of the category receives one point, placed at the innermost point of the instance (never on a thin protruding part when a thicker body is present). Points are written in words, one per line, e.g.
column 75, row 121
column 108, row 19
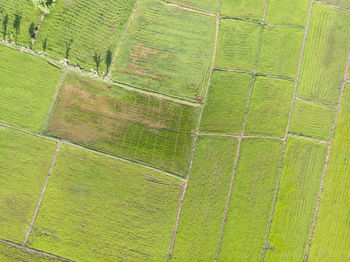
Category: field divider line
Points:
column 327, row 159
column 33, row 251
column 190, row 9
column 196, row 134
column 313, row 102
column 333, row 5
column 309, row 139
column 261, row 22
column 116, row 52
column 242, row 133
column 287, row 131
column 24, row 243
column 243, row 137
column 66, row 142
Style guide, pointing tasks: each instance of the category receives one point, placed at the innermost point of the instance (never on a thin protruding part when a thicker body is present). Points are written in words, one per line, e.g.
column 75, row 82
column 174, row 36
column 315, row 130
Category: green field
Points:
column 280, row 51
column 129, row 216
column 269, row 107
column 342, row 3
column 164, row 42
column 252, row 9
column 251, row 200
column 226, row 103
column 27, row 85
column 312, row 120
column 22, row 176
column 204, row 5
column 331, row 237
column 325, row 56
column 237, row 44
column 84, row 32
column 205, row 201
column 300, row 182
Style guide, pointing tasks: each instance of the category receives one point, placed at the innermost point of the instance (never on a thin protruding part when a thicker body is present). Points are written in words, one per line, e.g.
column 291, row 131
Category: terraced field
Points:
column 174, row 130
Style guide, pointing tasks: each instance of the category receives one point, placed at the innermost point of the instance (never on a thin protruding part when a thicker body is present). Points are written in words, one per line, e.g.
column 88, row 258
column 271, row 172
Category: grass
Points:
column 167, row 50
column 342, row 3
column 237, row 44
column 312, row 120
column 325, row 56
column 252, row 9
column 84, row 32
column 280, row 51
column 18, row 19
column 288, row 12
column 27, row 86
column 269, row 107
column 12, row 254
column 100, row 209
column 226, row 103
column 251, row 200
column 124, row 123
column 205, row 201
column 300, row 182
column 331, row 236
column 204, row 5
column 25, row 161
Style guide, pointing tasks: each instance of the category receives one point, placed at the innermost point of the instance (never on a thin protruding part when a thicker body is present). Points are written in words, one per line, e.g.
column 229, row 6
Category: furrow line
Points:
column 240, row 136
column 316, row 103
column 309, row 139
column 189, row 9
column 333, row 5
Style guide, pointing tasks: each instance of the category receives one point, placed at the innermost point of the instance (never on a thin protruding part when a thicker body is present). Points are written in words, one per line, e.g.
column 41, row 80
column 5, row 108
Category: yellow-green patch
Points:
column 11, row 254
column 252, row 9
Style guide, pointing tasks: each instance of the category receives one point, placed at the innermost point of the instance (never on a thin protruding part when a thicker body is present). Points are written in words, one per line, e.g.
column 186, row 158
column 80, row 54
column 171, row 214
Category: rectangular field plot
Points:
column 27, row 85
column 285, row 12
column 167, row 50
column 226, row 103
column 331, row 236
column 237, row 44
column 84, row 32
column 248, row 9
column 312, row 120
column 204, row 5
column 124, row 123
column 24, row 163
column 18, row 19
column 300, row 182
column 251, row 200
column 269, row 107
column 12, row 254
column 341, row 3
column 325, row 56
column 205, row 202
column 100, row 209
column 280, row 51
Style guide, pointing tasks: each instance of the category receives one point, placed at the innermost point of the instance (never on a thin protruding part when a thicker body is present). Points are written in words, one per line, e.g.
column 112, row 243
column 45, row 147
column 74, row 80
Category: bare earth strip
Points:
column 39, row 24
column 327, row 158
column 186, row 8
column 287, row 130
column 309, row 139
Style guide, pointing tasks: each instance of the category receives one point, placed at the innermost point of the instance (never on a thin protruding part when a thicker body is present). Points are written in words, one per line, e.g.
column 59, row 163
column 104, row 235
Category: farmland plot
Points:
column 331, row 237
column 342, row 3
column 226, row 103
column 251, row 200
column 300, row 181
column 237, row 44
column 204, row 5
column 124, row 123
column 252, row 9
column 18, row 19
column 167, row 50
column 84, row 32
column 312, row 120
column 24, row 163
column 27, row 86
column 100, row 209
column 269, row 107
column 205, row 201
column 325, row 56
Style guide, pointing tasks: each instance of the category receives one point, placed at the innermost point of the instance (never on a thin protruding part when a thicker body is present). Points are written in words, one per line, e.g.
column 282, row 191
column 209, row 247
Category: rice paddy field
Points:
column 175, row 130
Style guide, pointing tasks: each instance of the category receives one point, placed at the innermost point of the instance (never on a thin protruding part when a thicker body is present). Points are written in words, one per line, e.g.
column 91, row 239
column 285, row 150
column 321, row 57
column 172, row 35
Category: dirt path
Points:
column 193, row 10
column 39, row 24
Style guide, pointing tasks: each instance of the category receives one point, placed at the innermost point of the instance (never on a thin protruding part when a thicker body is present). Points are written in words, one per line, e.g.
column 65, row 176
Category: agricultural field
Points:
column 203, row 5
column 341, row 3
column 252, row 9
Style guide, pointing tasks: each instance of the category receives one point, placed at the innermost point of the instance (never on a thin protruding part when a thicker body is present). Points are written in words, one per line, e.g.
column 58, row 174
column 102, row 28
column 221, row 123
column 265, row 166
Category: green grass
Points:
column 331, row 236
column 226, row 103
column 312, row 120
column 251, row 200
column 237, row 44
column 325, row 56
column 204, row 5
column 269, row 107
column 18, row 19
column 124, row 123
column 300, row 182
column 252, row 9
column 167, row 50
column 343, row 3
column 25, row 161
column 288, row 12
column 27, row 85
column 12, row 254
column 100, row 209
column 280, row 51
column 77, row 30
column 205, row 201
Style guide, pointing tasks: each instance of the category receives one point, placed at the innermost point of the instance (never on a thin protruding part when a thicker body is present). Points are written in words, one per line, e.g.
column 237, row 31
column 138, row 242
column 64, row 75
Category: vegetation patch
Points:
column 45, row 5
column 12, row 254
column 204, row 5
column 252, row 9
column 342, row 3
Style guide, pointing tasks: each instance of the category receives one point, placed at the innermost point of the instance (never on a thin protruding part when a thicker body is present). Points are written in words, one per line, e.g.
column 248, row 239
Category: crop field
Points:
column 341, row 3
column 252, row 9
column 12, row 254
column 204, row 5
